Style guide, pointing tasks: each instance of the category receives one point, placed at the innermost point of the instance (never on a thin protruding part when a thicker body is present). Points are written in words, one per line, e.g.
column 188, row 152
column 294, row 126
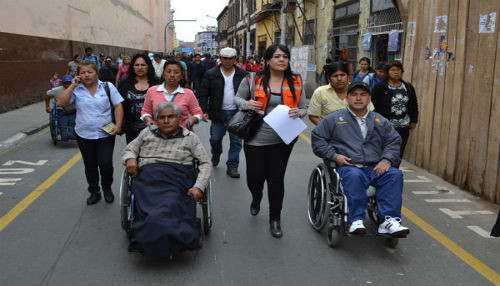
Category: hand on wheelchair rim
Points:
column 196, row 193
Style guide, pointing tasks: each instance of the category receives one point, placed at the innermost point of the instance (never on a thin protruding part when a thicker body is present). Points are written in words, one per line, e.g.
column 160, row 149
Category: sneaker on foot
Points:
column 215, row 160
column 392, row 226
column 357, row 227
column 233, row 173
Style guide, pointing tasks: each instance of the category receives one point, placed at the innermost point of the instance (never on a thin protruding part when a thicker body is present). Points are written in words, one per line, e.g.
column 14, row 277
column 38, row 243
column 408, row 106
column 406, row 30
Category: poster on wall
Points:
column 393, row 44
column 441, row 24
column 487, row 23
column 367, row 42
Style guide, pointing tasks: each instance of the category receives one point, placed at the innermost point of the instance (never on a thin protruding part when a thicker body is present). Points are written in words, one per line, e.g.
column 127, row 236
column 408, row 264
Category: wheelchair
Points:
column 56, row 127
column 327, row 205
column 127, row 203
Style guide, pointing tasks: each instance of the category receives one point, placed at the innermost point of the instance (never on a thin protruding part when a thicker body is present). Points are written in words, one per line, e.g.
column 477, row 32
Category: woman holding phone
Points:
column 93, row 112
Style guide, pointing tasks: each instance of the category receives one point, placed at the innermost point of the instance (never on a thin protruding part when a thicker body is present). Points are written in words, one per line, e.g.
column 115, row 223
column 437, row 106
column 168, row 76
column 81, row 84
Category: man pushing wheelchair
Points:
column 364, row 146
column 166, row 185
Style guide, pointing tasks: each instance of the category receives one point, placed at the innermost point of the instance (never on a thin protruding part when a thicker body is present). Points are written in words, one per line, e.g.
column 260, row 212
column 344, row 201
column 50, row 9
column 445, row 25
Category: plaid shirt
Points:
column 182, row 147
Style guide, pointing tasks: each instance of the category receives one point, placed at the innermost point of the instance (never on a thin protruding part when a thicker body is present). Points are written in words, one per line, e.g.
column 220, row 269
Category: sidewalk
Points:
column 19, row 123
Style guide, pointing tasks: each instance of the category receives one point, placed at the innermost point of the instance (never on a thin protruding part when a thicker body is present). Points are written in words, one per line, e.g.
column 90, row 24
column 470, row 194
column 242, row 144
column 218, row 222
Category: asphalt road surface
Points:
column 49, row 236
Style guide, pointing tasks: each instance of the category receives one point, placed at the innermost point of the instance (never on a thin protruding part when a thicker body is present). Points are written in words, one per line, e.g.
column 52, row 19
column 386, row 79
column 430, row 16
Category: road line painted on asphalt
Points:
column 421, row 179
column 447, row 200
column 460, row 214
column 426, row 192
column 305, row 138
column 452, row 246
column 29, row 199
column 479, row 230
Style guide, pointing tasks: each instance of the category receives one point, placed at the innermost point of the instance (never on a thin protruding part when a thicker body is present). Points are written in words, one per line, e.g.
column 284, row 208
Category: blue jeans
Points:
column 389, row 187
column 217, row 132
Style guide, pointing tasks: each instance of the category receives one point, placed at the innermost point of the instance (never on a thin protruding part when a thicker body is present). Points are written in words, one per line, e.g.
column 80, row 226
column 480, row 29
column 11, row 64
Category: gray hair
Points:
column 164, row 105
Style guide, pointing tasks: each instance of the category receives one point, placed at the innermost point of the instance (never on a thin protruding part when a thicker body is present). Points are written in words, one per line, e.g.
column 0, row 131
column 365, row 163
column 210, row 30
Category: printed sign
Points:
column 441, row 24
column 367, row 42
column 487, row 23
column 412, row 28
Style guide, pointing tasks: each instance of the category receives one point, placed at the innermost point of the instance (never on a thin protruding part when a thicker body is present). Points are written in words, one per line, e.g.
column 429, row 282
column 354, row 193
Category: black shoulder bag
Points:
column 108, row 93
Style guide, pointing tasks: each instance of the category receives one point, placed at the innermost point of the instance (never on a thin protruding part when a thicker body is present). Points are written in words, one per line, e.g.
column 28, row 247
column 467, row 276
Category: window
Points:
column 309, row 33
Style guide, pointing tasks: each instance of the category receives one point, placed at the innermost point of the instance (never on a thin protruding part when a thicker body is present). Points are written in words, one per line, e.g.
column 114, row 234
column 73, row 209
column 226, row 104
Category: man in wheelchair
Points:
column 364, row 145
column 165, row 184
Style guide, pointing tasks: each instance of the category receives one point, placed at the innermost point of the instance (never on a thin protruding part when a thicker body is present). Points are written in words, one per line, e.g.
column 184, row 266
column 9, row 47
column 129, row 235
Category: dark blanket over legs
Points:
column 165, row 216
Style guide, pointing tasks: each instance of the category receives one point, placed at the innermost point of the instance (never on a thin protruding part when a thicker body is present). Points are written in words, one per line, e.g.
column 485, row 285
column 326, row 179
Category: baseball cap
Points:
column 227, row 53
column 358, row 84
column 101, row 55
column 157, row 55
column 108, row 59
column 67, row 78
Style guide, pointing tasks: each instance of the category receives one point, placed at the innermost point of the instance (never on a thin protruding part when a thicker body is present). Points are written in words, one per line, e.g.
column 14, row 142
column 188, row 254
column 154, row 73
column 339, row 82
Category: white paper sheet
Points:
column 287, row 128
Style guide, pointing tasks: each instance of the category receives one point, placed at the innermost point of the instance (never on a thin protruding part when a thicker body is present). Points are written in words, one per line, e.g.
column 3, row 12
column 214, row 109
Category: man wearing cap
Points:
column 216, row 98
column 158, row 64
column 364, row 145
column 108, row 71
column 66, row 114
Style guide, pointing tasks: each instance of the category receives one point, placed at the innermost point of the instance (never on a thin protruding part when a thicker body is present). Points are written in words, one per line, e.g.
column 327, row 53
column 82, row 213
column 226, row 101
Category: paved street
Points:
column 54, row 238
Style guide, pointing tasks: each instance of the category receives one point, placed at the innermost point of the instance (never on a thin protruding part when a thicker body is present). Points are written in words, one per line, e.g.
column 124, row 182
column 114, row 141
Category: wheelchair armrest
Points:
column 196, row 163
column 330, row 163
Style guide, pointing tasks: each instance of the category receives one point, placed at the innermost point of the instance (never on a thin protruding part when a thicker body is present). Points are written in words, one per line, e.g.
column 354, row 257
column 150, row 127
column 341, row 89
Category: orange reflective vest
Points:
column 286, row 94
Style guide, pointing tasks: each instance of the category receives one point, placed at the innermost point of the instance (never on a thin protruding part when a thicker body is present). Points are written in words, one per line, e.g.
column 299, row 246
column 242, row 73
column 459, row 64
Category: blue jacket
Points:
column 339, row 134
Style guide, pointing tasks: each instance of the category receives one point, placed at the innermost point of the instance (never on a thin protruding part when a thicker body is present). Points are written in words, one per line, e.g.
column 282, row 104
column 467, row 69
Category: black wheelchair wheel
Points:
column 371, row 209
column 206, row 206
column 125, row 201
column 333, row 235
column 317, row 197
column 53, row 127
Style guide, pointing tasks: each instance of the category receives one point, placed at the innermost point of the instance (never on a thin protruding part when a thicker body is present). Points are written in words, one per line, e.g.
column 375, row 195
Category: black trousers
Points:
column 268, row 164
column 404, row 133
column 97, row 157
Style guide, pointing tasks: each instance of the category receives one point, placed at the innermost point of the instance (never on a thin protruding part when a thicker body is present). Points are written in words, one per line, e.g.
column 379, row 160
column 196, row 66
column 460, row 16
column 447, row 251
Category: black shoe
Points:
column 233, row 173
column 108, row 196
column 275, row 226
column 254, row 208
column 215, row 160
column 94, row 198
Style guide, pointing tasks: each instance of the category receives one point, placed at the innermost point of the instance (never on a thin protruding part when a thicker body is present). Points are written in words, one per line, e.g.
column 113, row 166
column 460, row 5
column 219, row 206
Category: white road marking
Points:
column 447, row 200
column 421, row 179
column 12, row 162
column 479, row 230
column 16, row 171
column 9, row 181
column 460, row 214
column 406, row 170
column 431, row 192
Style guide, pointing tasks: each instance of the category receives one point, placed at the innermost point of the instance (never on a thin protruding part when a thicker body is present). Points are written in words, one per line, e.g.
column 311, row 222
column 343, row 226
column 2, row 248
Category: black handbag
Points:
column 244, row 123
column 108, row 93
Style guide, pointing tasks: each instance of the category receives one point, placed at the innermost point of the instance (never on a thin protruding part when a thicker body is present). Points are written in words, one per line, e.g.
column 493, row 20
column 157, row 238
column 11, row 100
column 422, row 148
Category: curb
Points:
column 20, row 136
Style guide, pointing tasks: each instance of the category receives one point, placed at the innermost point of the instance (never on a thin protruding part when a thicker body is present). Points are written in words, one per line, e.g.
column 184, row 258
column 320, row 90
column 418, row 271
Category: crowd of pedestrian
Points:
column 378, row 106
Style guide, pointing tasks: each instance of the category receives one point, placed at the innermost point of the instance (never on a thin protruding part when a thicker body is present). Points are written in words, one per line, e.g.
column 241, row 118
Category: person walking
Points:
column 171, row 91
column 89, row 56
column 396, row 100
column 265, row 152
column 196, row 71
column 72, row 65
column 133, row 89
column 123, row 70
column 93, row 112
column 108, row 71
column 331, row 97
column 158, row 64
column 216, row 96
column 364, row 70
column 375, row 77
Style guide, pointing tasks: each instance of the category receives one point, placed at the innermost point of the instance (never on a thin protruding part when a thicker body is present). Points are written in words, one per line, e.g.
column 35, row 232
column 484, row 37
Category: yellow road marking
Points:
column 21, row 206
column 452, row 246
column 473, row 262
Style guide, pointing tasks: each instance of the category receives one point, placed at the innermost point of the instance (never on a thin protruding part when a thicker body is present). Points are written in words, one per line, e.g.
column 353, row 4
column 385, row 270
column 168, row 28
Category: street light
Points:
column 168, row 24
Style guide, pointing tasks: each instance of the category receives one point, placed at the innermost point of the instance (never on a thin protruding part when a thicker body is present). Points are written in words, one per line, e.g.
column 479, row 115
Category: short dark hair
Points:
column 88, row 49
column 391, row 64
column 334, row 67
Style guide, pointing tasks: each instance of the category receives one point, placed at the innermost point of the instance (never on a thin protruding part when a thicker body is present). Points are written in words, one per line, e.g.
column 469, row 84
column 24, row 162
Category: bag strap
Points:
column 108, row 93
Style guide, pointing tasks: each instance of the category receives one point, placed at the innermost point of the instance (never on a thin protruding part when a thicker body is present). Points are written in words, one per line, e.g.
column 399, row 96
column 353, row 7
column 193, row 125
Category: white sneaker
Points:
column 392, row 226
column 357, row 227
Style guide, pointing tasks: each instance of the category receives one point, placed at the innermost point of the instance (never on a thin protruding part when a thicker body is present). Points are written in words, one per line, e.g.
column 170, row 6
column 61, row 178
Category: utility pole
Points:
column 283, row 22
column 248, row 51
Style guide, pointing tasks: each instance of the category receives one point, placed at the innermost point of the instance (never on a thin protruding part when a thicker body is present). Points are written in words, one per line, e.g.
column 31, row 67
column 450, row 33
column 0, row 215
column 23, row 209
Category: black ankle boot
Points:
column 254, row 208
column 108, row 196
column 275, row 226
column 94, row 198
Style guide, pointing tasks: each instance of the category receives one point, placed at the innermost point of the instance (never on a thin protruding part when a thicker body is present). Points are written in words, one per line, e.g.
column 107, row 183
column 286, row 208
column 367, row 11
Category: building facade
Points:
column 42, row 45
column 206, row 41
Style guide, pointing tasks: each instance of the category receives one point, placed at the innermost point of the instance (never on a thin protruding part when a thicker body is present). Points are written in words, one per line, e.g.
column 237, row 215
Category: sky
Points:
column 195, row 9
